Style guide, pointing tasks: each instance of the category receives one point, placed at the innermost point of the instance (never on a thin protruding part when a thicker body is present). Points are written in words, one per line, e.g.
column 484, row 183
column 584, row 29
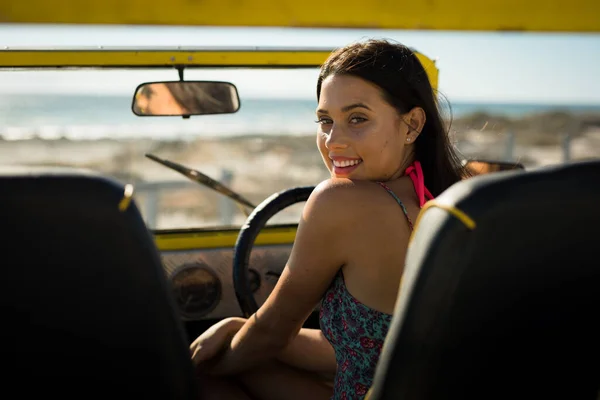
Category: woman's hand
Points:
column 214, row 340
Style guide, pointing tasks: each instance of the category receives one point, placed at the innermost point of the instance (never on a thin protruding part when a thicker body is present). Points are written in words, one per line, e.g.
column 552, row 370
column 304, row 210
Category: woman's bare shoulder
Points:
column 337, row 197
column 349, row 189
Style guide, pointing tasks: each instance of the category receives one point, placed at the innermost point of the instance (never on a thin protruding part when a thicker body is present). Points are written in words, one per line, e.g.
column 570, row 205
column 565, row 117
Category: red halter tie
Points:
column 416, row 175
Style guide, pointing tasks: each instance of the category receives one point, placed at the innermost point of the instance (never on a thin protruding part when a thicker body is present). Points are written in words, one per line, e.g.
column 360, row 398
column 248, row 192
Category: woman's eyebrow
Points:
column 346, row 108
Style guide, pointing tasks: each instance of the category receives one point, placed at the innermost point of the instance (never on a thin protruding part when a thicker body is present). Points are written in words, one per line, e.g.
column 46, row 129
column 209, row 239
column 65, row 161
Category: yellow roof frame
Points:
column 176, row 57
column 465, row 15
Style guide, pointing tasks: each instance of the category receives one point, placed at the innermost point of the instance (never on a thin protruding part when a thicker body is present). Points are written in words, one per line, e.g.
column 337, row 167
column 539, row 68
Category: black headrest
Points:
column 501, row 293
column 85, row 308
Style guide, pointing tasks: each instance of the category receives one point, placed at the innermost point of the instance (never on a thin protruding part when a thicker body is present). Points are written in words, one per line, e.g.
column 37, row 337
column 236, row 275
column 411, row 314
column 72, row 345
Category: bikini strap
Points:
column 383, row 185
column 416, row 175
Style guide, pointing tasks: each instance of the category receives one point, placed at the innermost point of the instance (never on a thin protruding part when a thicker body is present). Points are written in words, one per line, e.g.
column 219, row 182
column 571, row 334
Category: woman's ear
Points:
column 415, row 119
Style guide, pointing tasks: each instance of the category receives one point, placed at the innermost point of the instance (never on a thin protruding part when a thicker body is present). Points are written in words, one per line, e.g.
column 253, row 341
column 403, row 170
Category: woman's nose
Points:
column 336, row 138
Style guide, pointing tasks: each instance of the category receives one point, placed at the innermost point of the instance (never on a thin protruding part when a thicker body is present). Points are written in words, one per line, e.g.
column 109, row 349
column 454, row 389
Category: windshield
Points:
column 83, row 119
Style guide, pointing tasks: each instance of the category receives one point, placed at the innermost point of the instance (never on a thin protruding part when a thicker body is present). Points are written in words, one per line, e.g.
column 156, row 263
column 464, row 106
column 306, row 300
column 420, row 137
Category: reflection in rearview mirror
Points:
column 480, row 167
column 183, row 98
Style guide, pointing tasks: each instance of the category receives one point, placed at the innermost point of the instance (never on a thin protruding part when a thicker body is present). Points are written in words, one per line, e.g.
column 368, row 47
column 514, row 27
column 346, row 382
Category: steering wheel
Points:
column 248, row 233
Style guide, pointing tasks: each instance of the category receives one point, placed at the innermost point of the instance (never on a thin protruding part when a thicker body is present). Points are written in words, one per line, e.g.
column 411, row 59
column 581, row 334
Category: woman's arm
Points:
column 311, row 351
column 318, row 253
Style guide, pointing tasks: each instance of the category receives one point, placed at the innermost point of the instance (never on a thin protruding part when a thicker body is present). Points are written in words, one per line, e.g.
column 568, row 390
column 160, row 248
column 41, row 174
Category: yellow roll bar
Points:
column 464, row 15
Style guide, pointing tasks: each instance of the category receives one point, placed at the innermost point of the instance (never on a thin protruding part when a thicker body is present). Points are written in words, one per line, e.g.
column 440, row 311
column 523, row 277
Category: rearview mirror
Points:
column 185, row 98
column 480, row 167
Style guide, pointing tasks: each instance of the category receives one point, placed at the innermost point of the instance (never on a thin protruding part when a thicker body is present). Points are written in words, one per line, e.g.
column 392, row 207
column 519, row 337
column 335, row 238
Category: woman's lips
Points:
column 343, row 166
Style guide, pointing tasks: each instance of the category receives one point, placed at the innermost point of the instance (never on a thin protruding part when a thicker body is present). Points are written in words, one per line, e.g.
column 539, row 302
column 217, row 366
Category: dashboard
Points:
column 200, row 274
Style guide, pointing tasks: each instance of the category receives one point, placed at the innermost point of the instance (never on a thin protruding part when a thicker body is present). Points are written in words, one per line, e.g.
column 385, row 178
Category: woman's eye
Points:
column 324, row 121
column 357, row 120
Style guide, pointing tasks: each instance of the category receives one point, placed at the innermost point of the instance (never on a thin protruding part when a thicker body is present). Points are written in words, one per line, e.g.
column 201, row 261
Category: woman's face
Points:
column 158, row 100
column 360, row 135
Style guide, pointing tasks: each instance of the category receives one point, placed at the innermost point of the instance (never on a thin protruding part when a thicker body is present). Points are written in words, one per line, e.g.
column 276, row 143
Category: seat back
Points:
column 501, row 293
column 85, row 307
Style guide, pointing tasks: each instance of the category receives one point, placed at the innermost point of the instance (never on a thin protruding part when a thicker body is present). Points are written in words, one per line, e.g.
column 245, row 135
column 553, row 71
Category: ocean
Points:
column 80, row 117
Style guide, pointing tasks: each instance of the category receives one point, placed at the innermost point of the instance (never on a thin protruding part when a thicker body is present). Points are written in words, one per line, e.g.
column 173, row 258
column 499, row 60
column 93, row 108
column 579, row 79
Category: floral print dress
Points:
column 356, row 331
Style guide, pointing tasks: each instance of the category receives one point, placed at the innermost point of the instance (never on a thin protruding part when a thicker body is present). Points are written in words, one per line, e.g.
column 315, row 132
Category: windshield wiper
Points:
column 199, row 177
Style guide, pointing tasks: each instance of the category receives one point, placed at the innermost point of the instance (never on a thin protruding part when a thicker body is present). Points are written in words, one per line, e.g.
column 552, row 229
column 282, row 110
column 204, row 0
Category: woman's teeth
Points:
column 345, row 163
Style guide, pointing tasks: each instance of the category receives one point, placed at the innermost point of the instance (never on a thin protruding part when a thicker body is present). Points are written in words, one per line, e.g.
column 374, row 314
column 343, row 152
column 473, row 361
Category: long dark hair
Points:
column 398, row 72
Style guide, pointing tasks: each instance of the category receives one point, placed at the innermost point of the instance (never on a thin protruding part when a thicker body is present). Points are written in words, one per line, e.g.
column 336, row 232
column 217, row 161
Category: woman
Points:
column 381, row 136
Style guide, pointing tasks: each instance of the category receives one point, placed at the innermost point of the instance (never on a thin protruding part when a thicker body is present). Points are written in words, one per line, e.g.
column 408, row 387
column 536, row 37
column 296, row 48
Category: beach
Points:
column 257, row 166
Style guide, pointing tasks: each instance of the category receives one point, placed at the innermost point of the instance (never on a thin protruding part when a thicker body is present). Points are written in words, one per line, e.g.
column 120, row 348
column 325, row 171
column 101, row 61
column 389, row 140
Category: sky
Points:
column 487, row 67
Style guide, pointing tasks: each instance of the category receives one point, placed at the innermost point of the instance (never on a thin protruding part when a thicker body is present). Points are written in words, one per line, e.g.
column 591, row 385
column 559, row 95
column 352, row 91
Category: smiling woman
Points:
column 389, row 115
column 382, row 139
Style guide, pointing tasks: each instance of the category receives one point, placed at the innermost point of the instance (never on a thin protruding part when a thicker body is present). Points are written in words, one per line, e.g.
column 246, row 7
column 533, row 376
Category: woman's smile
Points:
column 343, row 166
